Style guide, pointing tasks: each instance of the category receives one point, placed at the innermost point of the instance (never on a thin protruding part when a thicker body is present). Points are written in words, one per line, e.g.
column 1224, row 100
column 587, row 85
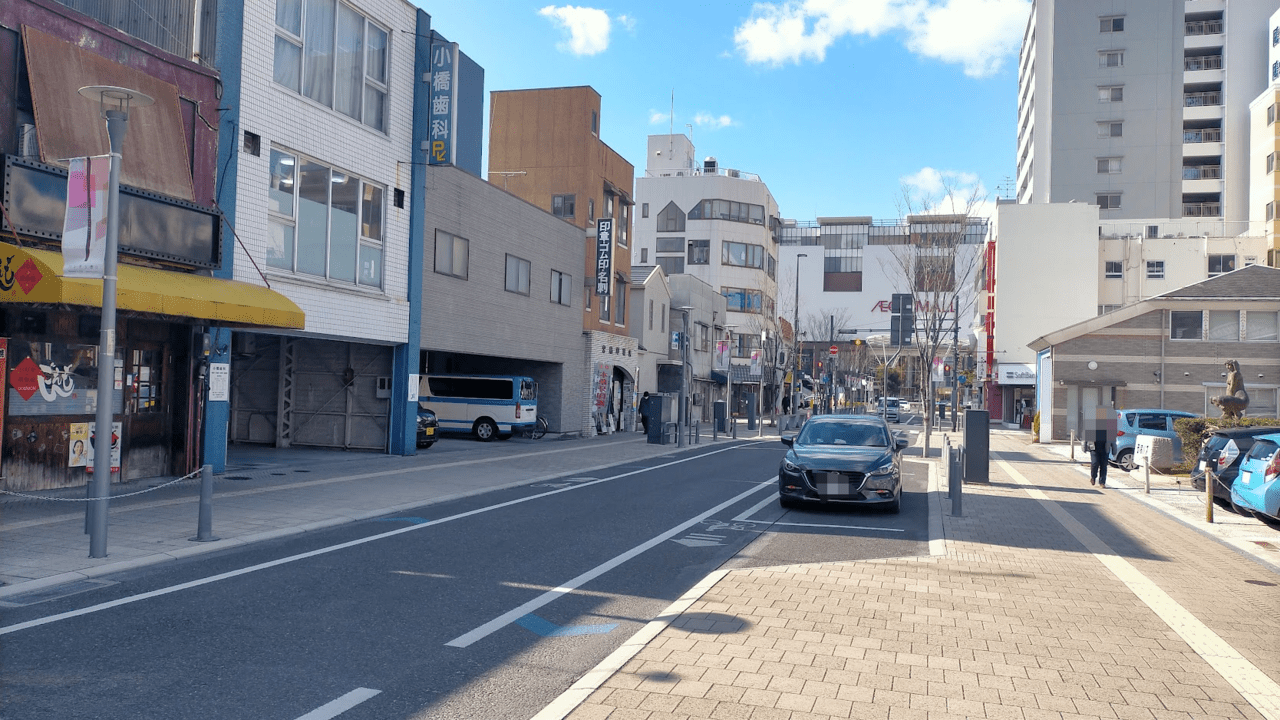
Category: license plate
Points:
column 431, row 431
column 1200, row 467
column 833, row 483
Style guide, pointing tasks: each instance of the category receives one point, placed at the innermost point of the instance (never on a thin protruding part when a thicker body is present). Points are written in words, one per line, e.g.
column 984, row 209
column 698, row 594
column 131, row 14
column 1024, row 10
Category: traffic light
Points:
column 946, row 371
column 902, row 323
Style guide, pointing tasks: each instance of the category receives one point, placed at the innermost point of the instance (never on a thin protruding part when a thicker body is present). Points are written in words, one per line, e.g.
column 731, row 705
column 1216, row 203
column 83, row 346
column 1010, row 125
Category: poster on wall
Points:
column 86, row 432
column 54, row 379
column 219, row 382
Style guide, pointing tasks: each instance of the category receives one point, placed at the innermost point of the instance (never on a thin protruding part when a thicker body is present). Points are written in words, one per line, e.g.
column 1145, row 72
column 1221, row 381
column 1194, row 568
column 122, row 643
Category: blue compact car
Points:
column 1132, row 423
column 1257, row 487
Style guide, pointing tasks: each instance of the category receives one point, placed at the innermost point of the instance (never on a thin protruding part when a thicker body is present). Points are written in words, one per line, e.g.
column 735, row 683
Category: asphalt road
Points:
column 487, row 607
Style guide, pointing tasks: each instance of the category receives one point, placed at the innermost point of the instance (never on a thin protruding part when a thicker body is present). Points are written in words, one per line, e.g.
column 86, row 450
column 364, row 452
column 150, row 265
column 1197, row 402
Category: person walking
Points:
column 644, row 409
column 1098, row 460
column 786, row 404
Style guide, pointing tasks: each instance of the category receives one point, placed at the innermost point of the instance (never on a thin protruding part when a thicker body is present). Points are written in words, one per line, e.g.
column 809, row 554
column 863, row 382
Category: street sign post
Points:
column 834, row 351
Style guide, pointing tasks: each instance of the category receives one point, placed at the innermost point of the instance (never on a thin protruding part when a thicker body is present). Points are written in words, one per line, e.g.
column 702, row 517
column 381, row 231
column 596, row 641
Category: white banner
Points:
column 84, row 228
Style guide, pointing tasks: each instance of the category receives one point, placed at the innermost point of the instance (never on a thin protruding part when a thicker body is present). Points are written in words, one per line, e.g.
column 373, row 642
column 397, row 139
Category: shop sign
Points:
column 604, row 255
column 443, row 99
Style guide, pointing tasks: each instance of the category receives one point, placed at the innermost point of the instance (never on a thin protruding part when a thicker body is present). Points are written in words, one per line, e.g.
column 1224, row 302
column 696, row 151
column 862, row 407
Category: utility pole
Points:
column 955, row 362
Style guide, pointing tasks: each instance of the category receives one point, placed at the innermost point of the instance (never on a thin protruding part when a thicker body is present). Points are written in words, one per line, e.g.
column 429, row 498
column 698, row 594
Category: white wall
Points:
column 285, row 118
column 1046, row 273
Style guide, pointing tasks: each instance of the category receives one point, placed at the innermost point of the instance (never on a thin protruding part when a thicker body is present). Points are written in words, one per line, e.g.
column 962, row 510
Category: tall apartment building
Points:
column 1141, row 108
column 545, row 147
column 721, row 226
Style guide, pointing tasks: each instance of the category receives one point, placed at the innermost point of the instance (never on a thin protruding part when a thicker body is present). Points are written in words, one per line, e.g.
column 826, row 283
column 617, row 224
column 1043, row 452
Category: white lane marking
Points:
column 841, row 527
column 937, row 543
column 753, row 510
column 570, row 699
column 1255, row 686
column 341, row 705
column 510, row 616
column 322, row 551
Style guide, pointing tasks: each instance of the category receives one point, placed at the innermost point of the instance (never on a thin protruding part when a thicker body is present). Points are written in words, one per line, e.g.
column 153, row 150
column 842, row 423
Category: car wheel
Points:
column 1125, row 461
column 485, row 429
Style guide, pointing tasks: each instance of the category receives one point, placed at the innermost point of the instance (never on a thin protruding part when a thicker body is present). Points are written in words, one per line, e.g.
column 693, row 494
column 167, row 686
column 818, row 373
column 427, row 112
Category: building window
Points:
column 591, row 209
column 334, row 56
column 662, row 318
column 704, row 337
column 595, row 123
column 1155, row 269
column 1219, row 264
column 1261, row 326
column 1271, row 162
column 1111, row 93
column 517, row 275
column 1111, row 58
column 728, row 210
column 699, row 252
column 1271, row 210
column 1153, row 231
column 1271, row 114
column 650, row 314
column 1185, row 324
column 1104, row 309
column 1109, row 201
column 1111, row 24
column 671, row 219
column 561, row 288
column 604, row 308
column 1110, row 129
column 562, row 205
column 1115, row 270
column 1275, row 36
column 451, row 254
column 742, row 255
column 324, row 221
column 671, row 244
column 1224, row 325
column 644, row 210
column 670, row 265
column 1275, row 70
column 1109, row 166
column 841, row 281
column 743, row 300
column 620, row 290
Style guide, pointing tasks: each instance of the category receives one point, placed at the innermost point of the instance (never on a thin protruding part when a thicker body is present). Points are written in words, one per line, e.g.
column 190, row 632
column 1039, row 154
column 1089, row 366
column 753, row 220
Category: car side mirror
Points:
column 901, row 442
column 789, row 440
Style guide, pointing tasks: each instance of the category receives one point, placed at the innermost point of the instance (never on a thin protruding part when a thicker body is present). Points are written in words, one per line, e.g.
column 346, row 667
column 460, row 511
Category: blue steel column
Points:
column 404, row 414
column 230, row 60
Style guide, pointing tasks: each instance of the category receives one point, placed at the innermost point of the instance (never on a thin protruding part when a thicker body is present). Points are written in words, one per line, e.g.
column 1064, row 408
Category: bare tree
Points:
column 936, row 266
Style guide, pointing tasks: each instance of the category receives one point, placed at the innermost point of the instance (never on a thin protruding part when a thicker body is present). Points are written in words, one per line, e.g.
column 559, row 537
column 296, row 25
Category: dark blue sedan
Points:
column 842, row 459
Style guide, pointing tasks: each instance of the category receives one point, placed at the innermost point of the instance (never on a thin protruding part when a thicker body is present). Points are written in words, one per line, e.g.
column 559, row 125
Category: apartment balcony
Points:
column 1199, row 143
column 1199, row 69
column 1202, row 209
column 1200, row 186
column 1202, row 34
column 1202, row 105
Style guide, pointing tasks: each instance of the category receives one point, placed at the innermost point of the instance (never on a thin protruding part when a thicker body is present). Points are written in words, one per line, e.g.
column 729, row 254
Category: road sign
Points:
column 834, row 351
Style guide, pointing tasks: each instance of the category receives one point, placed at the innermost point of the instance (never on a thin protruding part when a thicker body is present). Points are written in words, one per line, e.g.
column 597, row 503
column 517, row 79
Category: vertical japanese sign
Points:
column 4, row 373
column 602, row 385
column 604, row 255
column 84, row 227
column 444, row 77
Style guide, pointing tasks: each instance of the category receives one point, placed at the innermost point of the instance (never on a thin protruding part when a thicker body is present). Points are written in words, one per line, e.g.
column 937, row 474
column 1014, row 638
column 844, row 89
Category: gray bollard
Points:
column 957, row 489
column 204, row 527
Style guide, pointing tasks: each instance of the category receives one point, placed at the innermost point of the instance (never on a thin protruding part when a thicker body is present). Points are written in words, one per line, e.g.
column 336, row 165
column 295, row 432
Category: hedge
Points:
column 1194, row 431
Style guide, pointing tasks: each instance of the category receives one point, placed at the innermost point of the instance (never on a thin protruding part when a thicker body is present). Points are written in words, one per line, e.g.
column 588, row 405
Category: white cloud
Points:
column 978, row 34
column 588, row 28
column 946, row 191
column 627, row 22
column 657, row 116
column 713, row 122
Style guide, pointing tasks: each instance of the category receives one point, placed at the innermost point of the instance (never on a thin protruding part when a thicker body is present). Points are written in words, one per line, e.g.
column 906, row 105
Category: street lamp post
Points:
column 795, row 334
column 681, row 420
column 114, row 103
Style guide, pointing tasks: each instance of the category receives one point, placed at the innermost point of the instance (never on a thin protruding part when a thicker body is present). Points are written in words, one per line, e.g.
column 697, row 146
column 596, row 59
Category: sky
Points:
column 843, row 107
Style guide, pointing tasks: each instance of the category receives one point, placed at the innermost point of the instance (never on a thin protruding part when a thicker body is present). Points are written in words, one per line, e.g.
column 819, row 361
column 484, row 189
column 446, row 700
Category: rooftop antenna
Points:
column 671, row 131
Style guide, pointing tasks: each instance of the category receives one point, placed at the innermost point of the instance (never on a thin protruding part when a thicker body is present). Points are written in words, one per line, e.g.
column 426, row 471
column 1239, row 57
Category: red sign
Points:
column 834, row 351
column 28, row 276
column 26, row 378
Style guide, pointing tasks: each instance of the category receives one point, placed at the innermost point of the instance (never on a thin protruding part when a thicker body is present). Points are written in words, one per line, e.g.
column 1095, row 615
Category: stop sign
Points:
column 834, row 351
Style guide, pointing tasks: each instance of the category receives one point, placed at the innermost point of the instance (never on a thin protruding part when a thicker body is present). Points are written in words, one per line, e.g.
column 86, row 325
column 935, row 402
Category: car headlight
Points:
column 883, row 470
column 790, row 466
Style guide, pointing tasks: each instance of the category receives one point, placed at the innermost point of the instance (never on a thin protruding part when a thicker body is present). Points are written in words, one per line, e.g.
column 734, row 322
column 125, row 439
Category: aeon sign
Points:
column 922, row 306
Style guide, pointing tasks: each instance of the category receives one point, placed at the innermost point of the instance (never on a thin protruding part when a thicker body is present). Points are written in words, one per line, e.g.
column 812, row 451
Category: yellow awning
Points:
column 28, row 275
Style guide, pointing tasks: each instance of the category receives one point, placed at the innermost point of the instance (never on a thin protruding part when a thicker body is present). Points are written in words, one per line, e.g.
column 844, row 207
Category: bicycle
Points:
column 538, row 430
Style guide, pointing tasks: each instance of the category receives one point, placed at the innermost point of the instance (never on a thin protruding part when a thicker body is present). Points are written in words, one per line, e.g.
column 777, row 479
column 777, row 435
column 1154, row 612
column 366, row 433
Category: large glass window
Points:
column 699, row 252
column 670, row 244
column 671, row 265
column 1224, row 325
column 451, row 254
column 727, row 210
column 1219, row 264
column 562, row 205
column 334, row 55
column 1261, row 326
column 323, row 221
column 743, row 300
column 742, row 254
column 561, row 288
column 671, row 219
column 1185, row 324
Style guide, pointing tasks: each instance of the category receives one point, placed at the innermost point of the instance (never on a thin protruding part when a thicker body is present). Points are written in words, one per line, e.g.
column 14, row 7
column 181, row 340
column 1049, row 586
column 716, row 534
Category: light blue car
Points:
column 1257, row 487
column 1132, row 423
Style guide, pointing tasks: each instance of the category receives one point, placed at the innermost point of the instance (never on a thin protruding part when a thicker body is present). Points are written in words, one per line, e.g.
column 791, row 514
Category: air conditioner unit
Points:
column 28, row 144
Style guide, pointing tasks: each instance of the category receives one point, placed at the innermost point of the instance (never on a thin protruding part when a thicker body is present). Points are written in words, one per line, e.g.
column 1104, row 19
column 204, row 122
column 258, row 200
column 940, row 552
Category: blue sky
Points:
column 835, row 103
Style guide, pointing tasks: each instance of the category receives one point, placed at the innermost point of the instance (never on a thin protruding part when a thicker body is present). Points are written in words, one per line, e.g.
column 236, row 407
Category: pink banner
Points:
column 84, row 228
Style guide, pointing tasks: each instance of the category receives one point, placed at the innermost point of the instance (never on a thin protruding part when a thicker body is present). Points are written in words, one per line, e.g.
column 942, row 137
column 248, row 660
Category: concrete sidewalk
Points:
column 268, row 494
column 1047, row 599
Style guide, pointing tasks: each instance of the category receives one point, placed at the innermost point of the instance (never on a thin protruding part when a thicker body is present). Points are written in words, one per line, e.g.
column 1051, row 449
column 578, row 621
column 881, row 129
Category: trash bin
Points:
column 719, row 411
column 661, row 412
column 751, row 411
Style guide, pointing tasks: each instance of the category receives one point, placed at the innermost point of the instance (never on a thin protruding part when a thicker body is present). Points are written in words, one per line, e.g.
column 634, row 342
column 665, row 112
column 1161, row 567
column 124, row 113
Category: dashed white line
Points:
column 337, row 707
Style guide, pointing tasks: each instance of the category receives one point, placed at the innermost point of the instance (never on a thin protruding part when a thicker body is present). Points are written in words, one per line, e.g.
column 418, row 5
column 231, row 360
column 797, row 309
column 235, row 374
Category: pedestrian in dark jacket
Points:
column 644, row 408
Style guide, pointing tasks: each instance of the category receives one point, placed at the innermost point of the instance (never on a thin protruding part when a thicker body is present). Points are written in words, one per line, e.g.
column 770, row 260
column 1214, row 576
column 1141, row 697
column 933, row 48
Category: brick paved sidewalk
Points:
column 1051, row 600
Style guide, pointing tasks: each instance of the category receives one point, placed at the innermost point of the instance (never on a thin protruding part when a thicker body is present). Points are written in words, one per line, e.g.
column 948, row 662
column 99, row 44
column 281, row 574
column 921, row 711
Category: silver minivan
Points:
column 888, row 407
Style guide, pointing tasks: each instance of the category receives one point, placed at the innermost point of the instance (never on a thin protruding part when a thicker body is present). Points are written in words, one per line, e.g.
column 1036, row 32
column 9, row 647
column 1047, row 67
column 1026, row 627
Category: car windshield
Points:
column 843, row 433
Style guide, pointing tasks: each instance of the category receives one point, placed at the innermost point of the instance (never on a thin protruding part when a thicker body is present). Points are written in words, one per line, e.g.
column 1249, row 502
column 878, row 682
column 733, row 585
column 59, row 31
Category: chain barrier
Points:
column 188, row 476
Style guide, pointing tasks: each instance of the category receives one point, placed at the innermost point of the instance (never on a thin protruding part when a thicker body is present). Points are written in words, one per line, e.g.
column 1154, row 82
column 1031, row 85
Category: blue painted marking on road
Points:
column 546, row 628
column 414, row 520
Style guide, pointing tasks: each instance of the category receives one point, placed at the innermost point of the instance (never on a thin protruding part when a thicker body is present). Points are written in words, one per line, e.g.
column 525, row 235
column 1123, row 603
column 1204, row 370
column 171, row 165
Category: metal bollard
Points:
column 1146, row 474
column 1073, row 445
column 1209, row 480
column 957, row 487
column 204, row 527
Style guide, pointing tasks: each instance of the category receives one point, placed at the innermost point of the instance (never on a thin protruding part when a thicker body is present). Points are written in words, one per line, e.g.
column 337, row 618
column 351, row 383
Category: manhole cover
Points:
column 1263, row 583
column 238, row 477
